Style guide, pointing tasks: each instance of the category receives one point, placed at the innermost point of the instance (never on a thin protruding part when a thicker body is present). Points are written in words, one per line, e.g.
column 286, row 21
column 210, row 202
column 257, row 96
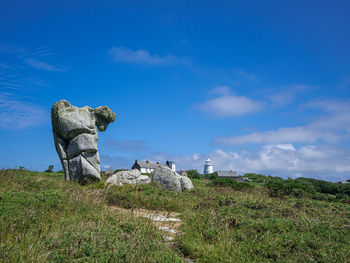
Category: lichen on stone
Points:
column 75, row 136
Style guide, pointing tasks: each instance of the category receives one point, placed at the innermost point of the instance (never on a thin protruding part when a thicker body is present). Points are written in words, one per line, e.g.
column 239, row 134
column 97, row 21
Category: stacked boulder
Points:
column 75, row 136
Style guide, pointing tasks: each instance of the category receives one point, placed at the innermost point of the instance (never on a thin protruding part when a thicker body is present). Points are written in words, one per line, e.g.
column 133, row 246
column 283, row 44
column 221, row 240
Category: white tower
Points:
column 208, row 167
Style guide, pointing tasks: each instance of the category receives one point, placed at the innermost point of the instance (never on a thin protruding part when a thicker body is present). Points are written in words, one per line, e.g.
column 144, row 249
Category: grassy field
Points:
column 44, row 219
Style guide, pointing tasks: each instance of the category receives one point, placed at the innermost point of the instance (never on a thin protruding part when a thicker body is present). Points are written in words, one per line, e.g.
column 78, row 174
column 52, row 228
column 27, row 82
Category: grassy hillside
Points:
column 44, row 219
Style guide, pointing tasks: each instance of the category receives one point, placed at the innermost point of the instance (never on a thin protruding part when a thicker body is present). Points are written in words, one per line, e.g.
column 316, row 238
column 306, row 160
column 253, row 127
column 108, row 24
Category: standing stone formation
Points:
column 75, row 134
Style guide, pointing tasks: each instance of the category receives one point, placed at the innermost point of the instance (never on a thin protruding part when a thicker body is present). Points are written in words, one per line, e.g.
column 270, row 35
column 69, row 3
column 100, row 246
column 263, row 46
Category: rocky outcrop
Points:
column 128, row 177
column 75, row 136
column 186, row 183
column 170, row 180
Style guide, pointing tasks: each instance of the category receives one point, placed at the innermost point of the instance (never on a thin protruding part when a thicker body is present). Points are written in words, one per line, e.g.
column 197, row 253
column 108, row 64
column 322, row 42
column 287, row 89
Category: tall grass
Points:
column 44, row 219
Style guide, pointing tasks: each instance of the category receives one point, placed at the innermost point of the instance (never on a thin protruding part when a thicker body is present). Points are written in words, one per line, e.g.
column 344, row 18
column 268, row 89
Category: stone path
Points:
column 167, row 222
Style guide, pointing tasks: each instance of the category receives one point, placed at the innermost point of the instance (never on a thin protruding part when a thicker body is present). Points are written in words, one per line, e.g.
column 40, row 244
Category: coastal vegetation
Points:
column 269, row 219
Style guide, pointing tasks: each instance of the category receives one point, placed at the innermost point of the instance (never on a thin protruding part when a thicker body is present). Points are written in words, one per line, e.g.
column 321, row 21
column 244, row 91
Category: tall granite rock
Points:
column 75, row 134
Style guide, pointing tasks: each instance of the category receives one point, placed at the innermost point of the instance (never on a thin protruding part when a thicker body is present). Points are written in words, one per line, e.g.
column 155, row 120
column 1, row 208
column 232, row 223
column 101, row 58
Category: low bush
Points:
column 316, row 189
column 194, row 174
column 228, row 182
column 288, row 187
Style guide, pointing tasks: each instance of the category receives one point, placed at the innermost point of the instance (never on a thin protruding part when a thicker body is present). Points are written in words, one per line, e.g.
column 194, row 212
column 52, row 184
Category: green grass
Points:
column 151, row 196
column 44, row 219
column 252, row 227
column 237, row 222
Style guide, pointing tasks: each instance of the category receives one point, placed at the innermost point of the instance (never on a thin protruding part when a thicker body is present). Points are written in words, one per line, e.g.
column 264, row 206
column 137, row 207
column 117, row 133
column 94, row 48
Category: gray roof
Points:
column 147, row 165
column 227, row 173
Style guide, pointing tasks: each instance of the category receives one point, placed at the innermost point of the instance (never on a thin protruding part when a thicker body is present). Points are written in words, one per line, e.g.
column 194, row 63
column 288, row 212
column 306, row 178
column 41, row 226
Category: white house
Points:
column 145, row 167
column 148, row 167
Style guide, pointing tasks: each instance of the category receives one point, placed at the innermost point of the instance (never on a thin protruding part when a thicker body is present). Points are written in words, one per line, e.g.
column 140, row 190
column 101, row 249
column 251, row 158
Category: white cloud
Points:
column 324, row 162
column 143, row 57
column 281, row 135
column 41, row 65
column 227, row 104
column 286, row 94
column 244, row 74
column 196, row 156
column 331, row 127
column 16, row 73
column 221, row 90
column 17, row 114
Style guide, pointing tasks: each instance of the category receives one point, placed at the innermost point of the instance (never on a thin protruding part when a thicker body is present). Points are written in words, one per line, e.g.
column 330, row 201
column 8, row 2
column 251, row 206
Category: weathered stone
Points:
column 171, row 180
column 143, row 179
column 93, row 158
column 128, row 177
column 69, row 121
column 65, row 169
column 82, row 143
column 61, row 147
column 186, row 183
column 75, row 136
column 82, row 171
column 167, row 178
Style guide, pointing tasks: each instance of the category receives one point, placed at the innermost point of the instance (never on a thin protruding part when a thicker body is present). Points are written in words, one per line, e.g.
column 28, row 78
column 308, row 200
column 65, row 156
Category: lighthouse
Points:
column 208, row 167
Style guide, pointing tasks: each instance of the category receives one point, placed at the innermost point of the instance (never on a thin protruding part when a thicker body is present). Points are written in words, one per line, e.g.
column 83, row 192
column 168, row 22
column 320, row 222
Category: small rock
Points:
column 168, row 238
column 161, row 218
column 167, row 229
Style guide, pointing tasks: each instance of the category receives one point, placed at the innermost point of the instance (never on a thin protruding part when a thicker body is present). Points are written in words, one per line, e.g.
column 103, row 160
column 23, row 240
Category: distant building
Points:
column 208, row 167
column 145, row 167
column 231, row 174
column 148, row 167
column 171, row 165
column 227, row 174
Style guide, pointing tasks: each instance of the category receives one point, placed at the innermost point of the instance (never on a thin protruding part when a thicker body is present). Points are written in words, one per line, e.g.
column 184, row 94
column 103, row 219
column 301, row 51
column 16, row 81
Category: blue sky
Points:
column 258, row 86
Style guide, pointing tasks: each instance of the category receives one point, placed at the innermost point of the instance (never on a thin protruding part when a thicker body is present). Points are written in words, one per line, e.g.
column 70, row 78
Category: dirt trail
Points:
column 167, row 222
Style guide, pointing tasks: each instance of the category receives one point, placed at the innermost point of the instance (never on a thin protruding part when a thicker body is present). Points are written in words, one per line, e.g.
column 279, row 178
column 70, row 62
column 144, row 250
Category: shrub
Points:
column 228, row 182
column 211, row 176
column 194, row 174
column 258, row 178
